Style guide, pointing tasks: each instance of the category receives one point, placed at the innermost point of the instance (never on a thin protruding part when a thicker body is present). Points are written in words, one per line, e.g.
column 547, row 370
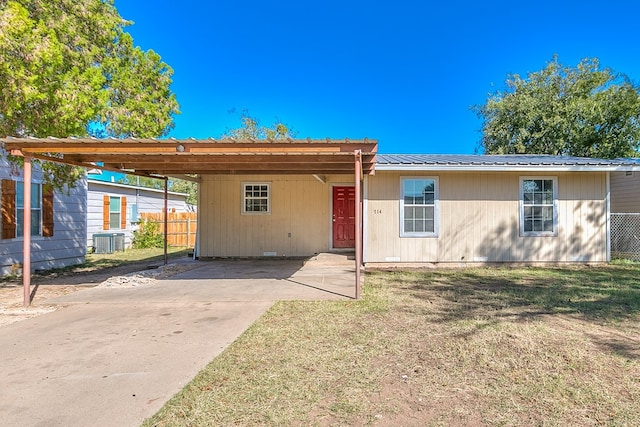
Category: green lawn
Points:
column 132, row 256
column 487, row 346
column 99, row 263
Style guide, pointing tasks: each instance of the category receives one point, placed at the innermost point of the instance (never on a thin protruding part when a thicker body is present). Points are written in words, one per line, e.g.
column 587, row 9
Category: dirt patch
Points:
column 11, row 301
column 49, row 286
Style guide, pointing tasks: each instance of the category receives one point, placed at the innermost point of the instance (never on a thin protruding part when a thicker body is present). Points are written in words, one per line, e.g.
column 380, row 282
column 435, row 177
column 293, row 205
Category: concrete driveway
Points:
column 113, row 357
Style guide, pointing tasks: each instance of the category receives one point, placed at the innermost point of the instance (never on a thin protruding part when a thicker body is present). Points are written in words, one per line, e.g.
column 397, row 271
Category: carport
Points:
column 192, row 158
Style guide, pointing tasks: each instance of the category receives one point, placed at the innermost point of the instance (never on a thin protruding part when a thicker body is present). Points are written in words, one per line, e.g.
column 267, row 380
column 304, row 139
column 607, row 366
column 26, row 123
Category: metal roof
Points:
column 176, row 157
column 506, row 162
column 635, row 160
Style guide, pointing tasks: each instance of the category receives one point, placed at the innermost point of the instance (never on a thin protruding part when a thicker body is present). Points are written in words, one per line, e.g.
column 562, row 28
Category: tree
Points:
column 251, row 128
column 585, row 111
column 173, row 184
column 188, row 187
column 67, row 68
column 142, row 181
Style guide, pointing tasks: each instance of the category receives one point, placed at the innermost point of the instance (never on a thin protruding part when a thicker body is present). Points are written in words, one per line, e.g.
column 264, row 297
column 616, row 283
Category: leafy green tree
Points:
column 142, row 181
column 177, row 185
column 251, row 128
column 585, row 111
column 188, row 187
column 67, row 68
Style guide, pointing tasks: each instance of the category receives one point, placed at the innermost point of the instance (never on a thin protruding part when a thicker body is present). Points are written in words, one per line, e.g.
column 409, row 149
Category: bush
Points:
column 147, row 235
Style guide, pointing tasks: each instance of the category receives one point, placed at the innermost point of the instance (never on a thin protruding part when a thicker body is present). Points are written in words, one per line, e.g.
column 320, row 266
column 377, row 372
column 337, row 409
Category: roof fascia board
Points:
column 510, row 168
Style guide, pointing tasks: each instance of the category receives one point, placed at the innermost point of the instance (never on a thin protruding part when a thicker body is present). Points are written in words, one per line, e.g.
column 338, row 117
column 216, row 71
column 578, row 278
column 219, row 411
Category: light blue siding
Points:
column 67, row 245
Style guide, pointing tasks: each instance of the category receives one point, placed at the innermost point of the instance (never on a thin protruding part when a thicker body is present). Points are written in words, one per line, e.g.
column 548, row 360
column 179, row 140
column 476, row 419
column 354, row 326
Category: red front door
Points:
column 344, row 217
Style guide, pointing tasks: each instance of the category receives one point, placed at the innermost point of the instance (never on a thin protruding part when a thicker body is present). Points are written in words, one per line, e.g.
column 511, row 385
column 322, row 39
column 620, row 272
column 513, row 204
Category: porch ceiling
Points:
column 177, row 157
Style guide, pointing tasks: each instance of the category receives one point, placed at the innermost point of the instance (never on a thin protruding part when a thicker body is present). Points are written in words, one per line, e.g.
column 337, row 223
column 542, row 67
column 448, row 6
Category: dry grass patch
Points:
column 442, row 347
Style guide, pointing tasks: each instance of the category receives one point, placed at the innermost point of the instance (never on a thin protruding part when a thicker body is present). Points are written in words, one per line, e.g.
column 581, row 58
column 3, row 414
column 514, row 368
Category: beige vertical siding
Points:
column 299, row 223
column 625, row 192
column 479, row 220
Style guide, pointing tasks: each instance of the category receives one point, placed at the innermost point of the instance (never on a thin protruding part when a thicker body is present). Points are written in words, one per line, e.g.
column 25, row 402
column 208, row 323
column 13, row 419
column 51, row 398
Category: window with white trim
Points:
column 539, row 206
column 36, row 209
column 419, row 207
column 256, row 198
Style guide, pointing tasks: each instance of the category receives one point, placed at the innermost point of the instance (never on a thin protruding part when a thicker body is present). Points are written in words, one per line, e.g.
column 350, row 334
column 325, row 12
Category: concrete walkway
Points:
column 114, row 356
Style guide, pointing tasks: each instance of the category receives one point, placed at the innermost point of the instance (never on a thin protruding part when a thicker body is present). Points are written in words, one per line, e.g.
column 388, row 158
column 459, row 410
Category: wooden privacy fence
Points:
column 182, row 226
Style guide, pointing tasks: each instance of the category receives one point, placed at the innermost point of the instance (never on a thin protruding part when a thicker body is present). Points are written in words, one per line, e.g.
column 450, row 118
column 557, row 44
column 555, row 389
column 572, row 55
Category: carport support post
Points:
column 358, row 177
column 166, row 214
column 26, row 230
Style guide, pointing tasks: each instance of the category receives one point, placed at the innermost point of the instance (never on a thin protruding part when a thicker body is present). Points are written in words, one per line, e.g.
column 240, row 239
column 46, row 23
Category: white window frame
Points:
column 20, row 216
column 522, row 205
column 244, row 198
column 436, row 207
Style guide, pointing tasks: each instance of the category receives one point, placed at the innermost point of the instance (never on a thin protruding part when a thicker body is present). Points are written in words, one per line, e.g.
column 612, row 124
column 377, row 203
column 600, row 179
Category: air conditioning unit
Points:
column 108, row 243
column 103, row 243
column 118, row 242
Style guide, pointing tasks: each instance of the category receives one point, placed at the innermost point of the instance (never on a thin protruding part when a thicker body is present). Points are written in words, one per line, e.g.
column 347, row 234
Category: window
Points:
column 256, row 198
column 419, row 207
column 135, row 218
column 36, row 209
column 114, row 212
column 538, row 206
column 12, row 206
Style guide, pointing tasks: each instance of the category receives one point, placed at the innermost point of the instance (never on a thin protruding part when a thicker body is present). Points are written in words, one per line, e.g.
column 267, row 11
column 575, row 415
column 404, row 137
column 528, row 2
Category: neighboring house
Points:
column 58, row 222
column 625, row 191
column 116, row 208
column 625, row 213
column 418, row 209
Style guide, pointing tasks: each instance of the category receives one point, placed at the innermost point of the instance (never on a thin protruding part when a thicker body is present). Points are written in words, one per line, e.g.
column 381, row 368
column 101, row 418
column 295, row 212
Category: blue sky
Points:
column 403, row 72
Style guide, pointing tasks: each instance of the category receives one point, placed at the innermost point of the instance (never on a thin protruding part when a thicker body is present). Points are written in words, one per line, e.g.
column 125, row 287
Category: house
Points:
column 64, row 223
column 625, row 190
column 465, row 208
column 287, row 198
column 115, row 208
column 625, row 213
column 58, row 222
column 419, row 209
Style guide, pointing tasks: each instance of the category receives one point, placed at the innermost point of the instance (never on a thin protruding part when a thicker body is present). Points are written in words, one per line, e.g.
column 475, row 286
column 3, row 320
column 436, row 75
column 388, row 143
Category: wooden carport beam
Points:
column 172, row 157
column 89, row 165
